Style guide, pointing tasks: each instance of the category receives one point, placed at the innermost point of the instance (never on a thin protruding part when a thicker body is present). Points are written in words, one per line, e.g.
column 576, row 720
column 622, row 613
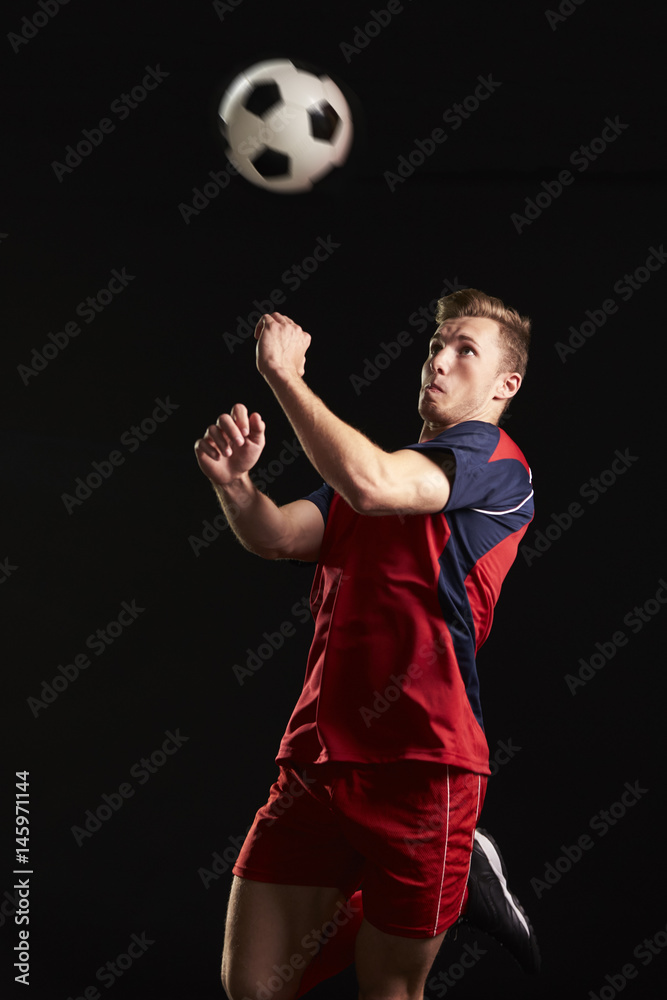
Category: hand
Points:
column 231, row 446
column 281, row 346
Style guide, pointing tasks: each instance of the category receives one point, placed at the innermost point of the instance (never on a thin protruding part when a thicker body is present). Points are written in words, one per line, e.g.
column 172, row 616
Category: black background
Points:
column 138, row 536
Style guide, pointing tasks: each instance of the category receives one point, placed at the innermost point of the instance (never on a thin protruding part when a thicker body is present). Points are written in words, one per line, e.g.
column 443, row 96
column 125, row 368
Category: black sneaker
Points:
column 493, row 909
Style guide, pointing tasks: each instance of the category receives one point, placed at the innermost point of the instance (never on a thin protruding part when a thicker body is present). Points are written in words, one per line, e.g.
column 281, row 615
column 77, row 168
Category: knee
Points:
column 243, row 984
column 237, row 987
column 237, row 983
column 395, row 992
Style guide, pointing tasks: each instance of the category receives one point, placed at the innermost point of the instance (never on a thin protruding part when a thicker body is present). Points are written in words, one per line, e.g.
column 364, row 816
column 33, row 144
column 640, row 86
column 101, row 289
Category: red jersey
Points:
column 401, row 604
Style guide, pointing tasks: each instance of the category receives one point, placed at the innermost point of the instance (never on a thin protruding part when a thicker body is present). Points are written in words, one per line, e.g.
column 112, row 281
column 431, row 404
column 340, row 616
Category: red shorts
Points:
column 401, row 831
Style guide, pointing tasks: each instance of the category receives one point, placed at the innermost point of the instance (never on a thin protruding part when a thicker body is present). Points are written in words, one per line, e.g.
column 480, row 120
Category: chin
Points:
column 433, row 408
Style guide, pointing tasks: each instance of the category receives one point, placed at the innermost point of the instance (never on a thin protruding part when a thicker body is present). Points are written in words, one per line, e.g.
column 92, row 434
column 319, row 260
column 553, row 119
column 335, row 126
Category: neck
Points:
column 429, row 431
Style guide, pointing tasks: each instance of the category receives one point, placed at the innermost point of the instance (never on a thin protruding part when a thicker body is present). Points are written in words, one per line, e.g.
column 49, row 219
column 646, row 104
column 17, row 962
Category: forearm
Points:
column 343, row 456
column 257, row 521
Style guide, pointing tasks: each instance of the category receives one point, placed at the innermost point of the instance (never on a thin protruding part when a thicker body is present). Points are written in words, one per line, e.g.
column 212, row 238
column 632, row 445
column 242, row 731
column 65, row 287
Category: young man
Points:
column 384, row 762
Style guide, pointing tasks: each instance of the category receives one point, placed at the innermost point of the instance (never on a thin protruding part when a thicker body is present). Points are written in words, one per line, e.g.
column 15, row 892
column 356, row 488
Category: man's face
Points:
column 460, row 378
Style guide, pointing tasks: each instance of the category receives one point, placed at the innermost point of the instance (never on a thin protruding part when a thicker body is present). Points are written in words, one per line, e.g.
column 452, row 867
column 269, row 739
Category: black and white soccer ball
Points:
column 285, row 127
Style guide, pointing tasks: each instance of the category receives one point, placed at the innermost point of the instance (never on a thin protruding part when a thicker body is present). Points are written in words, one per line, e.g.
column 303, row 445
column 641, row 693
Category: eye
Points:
column 471, row 349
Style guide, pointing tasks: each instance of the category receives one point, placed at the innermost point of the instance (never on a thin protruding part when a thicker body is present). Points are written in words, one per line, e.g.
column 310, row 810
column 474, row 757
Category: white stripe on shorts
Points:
column 472, row 843
column 444, row 862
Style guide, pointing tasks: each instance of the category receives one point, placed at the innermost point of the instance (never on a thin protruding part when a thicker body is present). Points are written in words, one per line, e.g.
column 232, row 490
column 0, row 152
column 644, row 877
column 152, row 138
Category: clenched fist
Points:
column 281, row 346
column 231, row 446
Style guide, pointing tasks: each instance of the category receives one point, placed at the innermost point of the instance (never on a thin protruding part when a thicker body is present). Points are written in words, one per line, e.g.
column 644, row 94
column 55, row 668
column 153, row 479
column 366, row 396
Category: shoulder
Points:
column 471, row 440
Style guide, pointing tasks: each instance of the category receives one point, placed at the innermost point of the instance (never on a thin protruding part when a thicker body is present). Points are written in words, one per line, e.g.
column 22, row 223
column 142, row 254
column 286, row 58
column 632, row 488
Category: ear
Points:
column 508, row 385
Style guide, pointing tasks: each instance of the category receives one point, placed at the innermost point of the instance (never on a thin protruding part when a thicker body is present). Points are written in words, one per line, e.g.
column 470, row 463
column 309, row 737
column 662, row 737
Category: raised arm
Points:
column 226, row 454
column 371, row 480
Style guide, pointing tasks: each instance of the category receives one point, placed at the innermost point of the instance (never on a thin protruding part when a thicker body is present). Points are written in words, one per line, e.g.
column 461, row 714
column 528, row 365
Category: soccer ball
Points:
column 285, row 127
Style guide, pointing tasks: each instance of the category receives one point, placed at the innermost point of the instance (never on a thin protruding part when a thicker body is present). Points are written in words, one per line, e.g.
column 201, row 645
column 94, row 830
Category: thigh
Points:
column 272, row 933
column 388, row 965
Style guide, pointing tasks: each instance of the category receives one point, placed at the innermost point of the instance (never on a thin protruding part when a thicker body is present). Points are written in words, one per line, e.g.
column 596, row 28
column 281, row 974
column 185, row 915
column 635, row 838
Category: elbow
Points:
column 371, row 487
column 372, row 495
column 368, row 500
column 261, row 551
column 362, row 503
column 267, row 554
column 275, row 552
column 374, row 491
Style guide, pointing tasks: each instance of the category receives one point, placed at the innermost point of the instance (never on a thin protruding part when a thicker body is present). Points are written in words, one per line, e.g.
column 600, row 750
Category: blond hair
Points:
column 514, row 329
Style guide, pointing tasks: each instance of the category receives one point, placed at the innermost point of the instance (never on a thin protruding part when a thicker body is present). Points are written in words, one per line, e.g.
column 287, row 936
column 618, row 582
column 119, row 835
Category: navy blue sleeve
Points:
column 322, row 499
column 495, row 487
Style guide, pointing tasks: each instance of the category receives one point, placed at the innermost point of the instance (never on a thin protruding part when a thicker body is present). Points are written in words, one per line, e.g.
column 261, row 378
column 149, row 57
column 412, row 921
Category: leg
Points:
column 338, row 953
column 272, row 933
column 390, row 967
column 283, row 905
column 414, row 823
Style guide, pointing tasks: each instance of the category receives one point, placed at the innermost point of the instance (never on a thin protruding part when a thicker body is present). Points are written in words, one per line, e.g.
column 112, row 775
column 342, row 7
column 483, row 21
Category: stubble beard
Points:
column 436, row 410
column 446, row 415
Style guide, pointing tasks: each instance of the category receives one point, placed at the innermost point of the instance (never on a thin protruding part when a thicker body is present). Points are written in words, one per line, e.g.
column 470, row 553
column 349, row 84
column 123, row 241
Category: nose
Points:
column 440, row 361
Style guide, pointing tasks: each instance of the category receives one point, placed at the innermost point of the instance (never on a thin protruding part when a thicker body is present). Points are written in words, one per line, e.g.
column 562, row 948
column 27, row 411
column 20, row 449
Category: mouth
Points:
column 432, row 387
